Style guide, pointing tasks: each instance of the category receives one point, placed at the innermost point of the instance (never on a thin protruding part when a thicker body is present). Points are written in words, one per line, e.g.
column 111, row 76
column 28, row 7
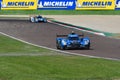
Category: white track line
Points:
column 65, row 52
column 97, row 33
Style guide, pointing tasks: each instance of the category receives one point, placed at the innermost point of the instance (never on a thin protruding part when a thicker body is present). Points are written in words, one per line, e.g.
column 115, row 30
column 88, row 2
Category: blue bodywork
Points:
column 38, row 19
column 72, row 41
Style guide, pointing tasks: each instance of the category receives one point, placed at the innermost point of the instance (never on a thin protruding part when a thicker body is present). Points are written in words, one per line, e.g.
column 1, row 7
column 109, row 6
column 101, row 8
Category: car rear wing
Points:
column 82, row 35
column 61, row 35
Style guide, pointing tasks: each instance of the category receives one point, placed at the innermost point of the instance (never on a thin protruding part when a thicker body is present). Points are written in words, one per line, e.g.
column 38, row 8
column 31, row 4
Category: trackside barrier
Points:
column 60, row 4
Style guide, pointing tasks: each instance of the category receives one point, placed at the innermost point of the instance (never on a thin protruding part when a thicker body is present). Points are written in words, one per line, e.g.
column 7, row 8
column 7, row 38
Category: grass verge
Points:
column 47, row 67
column 58, row 68
column 8, row 45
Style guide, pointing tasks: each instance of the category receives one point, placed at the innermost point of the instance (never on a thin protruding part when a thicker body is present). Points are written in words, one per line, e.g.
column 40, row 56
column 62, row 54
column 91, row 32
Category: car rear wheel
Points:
column 45, row 20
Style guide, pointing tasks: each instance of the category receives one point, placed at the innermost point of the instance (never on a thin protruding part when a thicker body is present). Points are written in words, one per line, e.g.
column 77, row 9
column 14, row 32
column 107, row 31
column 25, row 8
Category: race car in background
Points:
column 38, row 18
column 72, row 41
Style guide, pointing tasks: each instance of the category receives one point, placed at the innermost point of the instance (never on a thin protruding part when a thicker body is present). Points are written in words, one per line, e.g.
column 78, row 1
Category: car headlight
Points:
column 86, row 41
column 64, row 42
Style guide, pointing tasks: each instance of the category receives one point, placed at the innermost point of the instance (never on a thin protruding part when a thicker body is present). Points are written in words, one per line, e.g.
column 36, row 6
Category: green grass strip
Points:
column 60, row 12
column 8, row 45
column 58, row 68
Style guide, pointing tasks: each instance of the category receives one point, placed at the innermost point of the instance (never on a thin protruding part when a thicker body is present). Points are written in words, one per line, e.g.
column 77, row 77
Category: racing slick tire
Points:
column 57, row 46
column 88, row 46
column 36, row 20
column 63, row 48
column 45, row 20
column 32, row 19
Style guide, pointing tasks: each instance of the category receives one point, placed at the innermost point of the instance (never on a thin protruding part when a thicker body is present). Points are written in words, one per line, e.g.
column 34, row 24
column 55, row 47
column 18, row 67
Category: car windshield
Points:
column 39, row 17
column 73, row 38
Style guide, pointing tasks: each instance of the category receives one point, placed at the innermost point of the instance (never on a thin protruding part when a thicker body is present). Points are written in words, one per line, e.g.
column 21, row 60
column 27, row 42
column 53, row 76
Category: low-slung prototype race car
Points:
column 72, row 41
column 38, row 18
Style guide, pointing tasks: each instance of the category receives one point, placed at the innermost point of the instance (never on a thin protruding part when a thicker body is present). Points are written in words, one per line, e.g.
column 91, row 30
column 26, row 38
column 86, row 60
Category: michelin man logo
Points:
column 78, row 5
column 3, row 5
column 118, row 4
column 40, row 5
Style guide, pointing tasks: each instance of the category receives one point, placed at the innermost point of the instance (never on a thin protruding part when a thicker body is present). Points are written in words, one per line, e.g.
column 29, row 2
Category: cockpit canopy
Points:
column 39, row 16
column 73, row 37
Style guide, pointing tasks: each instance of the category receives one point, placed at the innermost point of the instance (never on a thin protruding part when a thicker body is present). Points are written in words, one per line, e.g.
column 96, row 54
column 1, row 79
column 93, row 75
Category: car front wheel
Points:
column 88, row 46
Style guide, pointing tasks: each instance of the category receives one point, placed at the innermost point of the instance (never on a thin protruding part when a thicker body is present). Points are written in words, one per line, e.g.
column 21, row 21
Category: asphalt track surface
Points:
column 44, row 34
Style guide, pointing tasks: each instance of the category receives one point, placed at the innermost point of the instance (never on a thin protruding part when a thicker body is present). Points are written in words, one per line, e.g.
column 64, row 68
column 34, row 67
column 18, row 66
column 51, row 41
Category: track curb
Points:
column 85, row 29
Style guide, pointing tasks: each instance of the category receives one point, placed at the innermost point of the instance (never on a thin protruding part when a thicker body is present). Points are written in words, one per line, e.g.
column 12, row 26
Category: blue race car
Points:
column 38, row 19
column 72, row 41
